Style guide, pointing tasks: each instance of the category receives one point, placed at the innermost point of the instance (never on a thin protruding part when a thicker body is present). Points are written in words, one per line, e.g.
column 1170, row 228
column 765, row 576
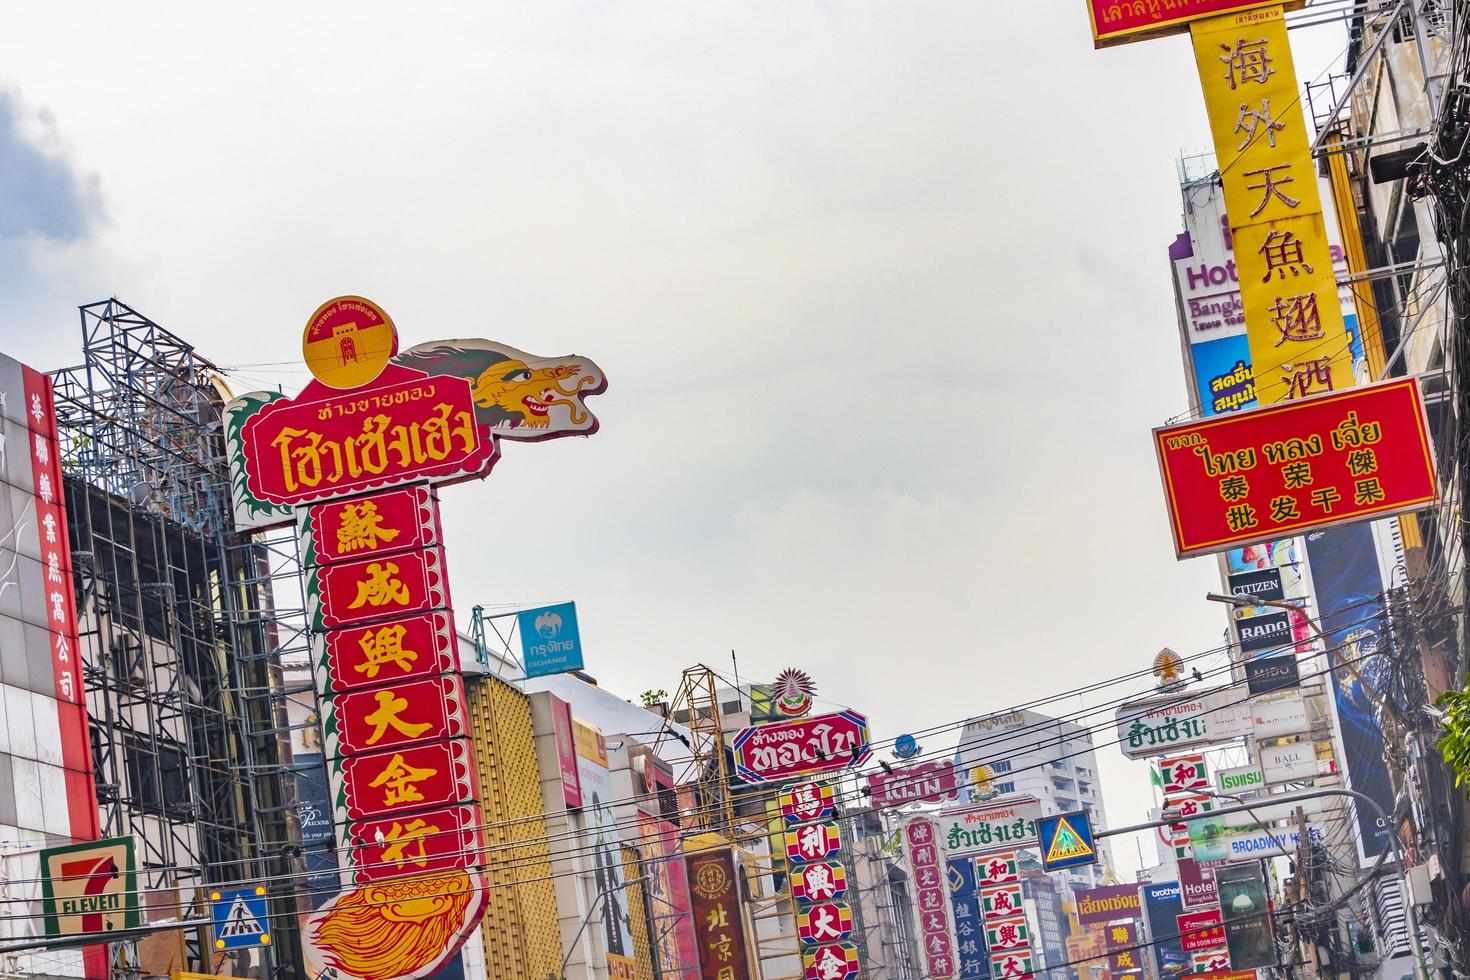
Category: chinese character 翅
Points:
column 1296, row 318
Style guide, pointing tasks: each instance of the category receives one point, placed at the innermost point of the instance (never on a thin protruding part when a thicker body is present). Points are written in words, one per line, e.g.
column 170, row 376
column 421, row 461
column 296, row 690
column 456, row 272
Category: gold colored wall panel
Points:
column 637, row 914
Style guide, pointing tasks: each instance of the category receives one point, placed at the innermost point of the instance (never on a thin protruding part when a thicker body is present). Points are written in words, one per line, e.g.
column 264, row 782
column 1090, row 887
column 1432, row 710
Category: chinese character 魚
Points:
column 1283, row 252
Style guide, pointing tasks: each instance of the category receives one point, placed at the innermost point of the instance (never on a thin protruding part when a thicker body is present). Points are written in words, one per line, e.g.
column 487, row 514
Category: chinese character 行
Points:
column 403, row 835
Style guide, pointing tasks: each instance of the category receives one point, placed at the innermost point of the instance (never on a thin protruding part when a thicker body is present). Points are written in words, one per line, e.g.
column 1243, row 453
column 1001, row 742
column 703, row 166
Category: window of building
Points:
column 1003, row 766
column 1005, row 787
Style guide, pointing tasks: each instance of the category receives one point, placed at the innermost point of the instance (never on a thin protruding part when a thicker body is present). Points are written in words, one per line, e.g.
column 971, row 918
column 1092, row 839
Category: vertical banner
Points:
column 964, row 897
column 718, row 929
column 933, row 910
column 1162, row 906
column 1347, row 582
column 1246, row 915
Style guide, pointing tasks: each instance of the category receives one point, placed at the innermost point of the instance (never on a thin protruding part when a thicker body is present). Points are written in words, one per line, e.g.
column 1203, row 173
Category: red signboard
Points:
column 379, row 524
column 786, row 750
column 835, row 961
column 718, row 924
column 390, row 652
column 928, row 782
column 1272, row 472
column 825, row 922
column 1183, row 774
column 430, row 840
column 566, row 752
column 812, row 842
column 807, row 801
column 379, row 588
column 1201, row 930
column 1197, row 884
column 417, row 778
column 393, row 717
column 1121, row 21
column 821, row 881
column 401, row 429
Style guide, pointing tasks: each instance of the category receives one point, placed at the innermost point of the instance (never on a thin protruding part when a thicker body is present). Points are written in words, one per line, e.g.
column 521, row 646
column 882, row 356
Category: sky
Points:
column 881, row 292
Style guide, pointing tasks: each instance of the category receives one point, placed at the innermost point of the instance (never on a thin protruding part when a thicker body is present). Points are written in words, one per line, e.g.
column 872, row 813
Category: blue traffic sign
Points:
column 240, row 919
column 1066, row 841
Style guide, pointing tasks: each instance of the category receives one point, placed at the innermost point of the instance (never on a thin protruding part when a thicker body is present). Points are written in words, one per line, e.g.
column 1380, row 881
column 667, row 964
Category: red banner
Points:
column 416, row 778
column 1273, row 472
column 928, row 782
column 390, row 652
column 718, row 926
column 432, row 840
column 786, row 750
column 380, row 524
column 1201, row 930
column 381, row 588
column 385, row 434
column 1121, row 21
column 407, row 714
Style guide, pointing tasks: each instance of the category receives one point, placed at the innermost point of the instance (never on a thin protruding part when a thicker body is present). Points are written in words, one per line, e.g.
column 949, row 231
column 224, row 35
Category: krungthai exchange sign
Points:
column 1273, row 472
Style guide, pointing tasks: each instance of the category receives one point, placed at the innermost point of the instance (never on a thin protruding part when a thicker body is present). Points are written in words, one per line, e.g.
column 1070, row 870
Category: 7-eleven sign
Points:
column 1001, row 902
column 996, row 869
column 1007, row 934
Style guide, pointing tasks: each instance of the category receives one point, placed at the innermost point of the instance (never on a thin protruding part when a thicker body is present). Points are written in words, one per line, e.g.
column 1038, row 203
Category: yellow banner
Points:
column 1299, row 343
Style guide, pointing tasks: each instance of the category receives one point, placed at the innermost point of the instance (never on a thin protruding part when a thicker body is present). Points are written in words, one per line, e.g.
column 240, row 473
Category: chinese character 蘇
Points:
column 362, row 527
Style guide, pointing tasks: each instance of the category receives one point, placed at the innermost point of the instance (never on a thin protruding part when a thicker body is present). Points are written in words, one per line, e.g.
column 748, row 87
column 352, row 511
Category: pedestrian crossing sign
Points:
column 1066, row 841
column 240, row 919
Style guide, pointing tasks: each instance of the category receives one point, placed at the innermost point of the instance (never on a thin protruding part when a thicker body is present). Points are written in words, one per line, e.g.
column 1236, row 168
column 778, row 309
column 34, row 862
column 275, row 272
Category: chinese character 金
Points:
column 1284, row 508
column 1234, row 488
column 1308, row 377
column 1251, row 120
column 1283, row 252
column 1368, row 491
column 400, row 780
column 1240, row 517
column 1325, row 498
column 1271, row 187
column 1361, row 462
column 1296, row 318
column 1248, row 61
column 1297, row 474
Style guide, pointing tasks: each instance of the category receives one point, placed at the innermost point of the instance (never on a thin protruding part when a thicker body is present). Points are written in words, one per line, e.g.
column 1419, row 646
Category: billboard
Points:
column 1116, row 22
column 90, row 887
column 789, row 749
column 600, row 823
column 550, row 640
column 718, row 925
column 933, row 908
column 1002, row 824
column 1286, row 468
column 927, row 782
column 1162, row 905
column 1246, row 914
column 1107, row 903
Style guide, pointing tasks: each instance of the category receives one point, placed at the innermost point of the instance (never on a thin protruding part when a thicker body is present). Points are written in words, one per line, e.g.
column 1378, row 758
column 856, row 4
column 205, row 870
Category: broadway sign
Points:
column 826, row 743
column 1272, row 472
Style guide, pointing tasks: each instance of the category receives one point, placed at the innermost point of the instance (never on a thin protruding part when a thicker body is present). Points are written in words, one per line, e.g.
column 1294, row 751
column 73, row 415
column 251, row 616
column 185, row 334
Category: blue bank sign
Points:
column 550, row 643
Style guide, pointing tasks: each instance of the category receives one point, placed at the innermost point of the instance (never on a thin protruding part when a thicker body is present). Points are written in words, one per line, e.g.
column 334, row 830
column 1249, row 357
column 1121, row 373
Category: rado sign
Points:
column 1264, row 632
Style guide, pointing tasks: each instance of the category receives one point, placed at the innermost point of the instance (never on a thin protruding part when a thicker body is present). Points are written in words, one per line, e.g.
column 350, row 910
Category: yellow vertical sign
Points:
column 1298, row 341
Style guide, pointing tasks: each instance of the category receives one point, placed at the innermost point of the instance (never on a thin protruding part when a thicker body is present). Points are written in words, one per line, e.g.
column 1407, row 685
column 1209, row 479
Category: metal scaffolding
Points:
column 185, row 627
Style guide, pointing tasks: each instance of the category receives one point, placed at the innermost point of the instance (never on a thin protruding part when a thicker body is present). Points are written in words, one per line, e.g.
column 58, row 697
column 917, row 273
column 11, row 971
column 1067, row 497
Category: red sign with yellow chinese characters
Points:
column 431, row 840
column 390, row 652
column 379, row 588
column 415, row 778
column 1277, row 471
column 384, row 523
column 719, row 927
column 392, row 717
column 1119, row 22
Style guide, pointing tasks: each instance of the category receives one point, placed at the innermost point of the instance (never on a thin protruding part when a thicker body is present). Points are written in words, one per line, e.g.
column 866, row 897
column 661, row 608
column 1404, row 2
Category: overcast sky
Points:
column 881, row 292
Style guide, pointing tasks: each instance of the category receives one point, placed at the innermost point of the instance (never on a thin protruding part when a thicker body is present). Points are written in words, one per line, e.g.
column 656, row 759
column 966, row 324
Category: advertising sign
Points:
column 1246, row 915
column 1183, row 774
column 928, row 782
column 1264, row 631
column 1264, row 583
column 1196, row 884
column 719, row 930
column 933, row 908
column 975, row 829
column 786, row 750
column 416, row 778
column 550, row 643
column 402, row 649
column 1162, row 905
column 1107, row 903
column 428, row 840
column 969, row 930
column 1121, row 23
column 1266, row 674
column 807, row 801
column 383, row 524
column 824, row 922
column 1151, row 726
column 836, row 961
column 1201, row 930
column 1007, row 934
column 1283, row 469
column 1213, row 840
column 819, row 881
column 1213, row 963
column 90, row 888
column 1242, row 780
column 564, row 734
column 1289, row 763
column 355, row 592
column 1278, row 715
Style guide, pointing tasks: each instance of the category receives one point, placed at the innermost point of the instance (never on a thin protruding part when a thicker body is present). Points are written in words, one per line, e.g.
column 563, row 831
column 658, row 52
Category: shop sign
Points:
column 928, row 782
column 1107, row 903
column 382, row 524
column 934, row 909
column 997, row 869
column 1262, row 583
column 1228, row 714
column 813, row 842
column 564, row 734
column 90, row 887
column 1242, row 779
column 825, row 922
column 805, row 801
column 718, row 926
column 1196, row 884
column 1288, row 763
column 964, row 898
column 1266, row 674
column 1123, row 955
column 1151, row 726
column 1006, row 825
column 1245, row 911
column 835, row 961
column 1264, row 631
column 1279, row 715
column 1123, row 21
column 380, row 588
column 379, row 654
column 1007, row 934
column 389, row 718
column 1283, row 469
column 1184, row 774
column 781, row 751
column 1001, row 902
column 550, row 640
column 414, row 778
column 1212, row 839
column 819, row 881
column 426, row 841
column 1012, row 966
column 1212, row 961
column 1201, row 930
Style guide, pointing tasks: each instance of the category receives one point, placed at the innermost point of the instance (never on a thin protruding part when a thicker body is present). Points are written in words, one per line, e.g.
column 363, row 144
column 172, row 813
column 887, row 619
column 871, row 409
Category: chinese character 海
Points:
column 1248, row 61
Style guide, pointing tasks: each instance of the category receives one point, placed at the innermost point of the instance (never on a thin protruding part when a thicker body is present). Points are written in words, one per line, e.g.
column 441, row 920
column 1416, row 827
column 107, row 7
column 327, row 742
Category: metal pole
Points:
column 1287, row 799
column 588, row 918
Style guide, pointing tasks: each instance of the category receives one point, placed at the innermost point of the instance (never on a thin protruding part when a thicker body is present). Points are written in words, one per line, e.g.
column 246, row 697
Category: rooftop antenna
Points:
column 739, row 694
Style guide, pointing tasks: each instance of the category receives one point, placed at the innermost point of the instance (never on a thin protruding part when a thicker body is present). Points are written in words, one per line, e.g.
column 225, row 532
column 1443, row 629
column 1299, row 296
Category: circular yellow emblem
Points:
column 348, row 341
column 710, row 880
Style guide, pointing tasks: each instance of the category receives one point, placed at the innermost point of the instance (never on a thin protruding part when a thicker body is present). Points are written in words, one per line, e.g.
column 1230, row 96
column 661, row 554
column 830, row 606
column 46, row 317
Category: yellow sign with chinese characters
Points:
column 1299, row 343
